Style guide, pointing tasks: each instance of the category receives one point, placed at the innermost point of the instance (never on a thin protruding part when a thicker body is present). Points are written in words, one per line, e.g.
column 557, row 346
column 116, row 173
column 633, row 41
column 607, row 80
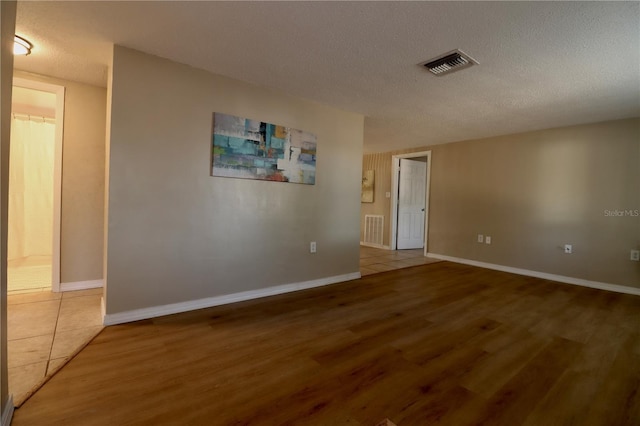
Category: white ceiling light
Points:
column 21, row 46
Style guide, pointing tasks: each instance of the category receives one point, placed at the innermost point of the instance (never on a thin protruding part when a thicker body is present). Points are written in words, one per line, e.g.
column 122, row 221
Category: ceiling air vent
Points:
column 449, row 62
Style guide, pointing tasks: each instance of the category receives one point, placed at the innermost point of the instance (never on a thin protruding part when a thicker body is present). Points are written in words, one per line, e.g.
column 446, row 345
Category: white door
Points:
column 411, row 204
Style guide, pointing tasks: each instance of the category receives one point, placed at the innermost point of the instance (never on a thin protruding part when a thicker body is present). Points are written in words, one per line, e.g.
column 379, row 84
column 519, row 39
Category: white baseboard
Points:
column 7, row 415
column 174, row 308
column 560, row 278
column 380, row 246
column 81, row 285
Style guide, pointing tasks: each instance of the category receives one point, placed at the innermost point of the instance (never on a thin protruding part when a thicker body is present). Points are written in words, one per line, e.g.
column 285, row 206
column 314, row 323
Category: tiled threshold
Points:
column 375, row 260
column 45, row 330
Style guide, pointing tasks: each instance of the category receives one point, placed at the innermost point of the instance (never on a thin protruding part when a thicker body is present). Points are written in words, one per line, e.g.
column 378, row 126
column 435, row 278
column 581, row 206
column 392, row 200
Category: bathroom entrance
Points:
column 33, row 239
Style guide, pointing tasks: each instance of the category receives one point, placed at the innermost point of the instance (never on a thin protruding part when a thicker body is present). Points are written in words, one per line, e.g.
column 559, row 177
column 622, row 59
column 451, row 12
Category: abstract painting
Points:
column 251, row 149
column 367, row 186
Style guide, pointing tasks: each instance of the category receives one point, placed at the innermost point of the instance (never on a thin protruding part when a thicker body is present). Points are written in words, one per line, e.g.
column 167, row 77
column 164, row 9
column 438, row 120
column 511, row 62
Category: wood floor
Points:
column 439, row 344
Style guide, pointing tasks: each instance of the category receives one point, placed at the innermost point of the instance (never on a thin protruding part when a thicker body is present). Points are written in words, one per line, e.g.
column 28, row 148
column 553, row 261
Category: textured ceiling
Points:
column 542, row 64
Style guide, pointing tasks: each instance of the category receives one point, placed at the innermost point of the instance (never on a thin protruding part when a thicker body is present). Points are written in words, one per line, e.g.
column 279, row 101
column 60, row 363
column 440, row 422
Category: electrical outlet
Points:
column 568, row 248
column 635, row 255
column 480, row 238
column 487, row 239
column 312, row 247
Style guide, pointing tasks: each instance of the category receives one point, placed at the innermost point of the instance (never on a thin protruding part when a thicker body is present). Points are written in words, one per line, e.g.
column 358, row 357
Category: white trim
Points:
column 395, row 168
column 380, row 246
column 59, row 91
column 57, row 190
column 427, row 195
column 559, row 278
column 81, row 285
column 7, row 416
column 393, row 214
column 174, row 308
column 103, row 308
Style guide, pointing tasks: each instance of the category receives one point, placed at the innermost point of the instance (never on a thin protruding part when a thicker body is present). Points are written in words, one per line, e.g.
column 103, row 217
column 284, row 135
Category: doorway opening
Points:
column 410, row 182
column 35, row 163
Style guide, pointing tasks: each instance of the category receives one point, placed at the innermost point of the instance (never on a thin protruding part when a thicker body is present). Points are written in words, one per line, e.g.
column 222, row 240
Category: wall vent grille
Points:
column 373, row 229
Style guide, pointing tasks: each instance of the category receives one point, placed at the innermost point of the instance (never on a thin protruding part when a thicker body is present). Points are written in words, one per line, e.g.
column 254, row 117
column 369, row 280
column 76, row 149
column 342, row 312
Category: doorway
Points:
column 410, row 200
column 33, row 239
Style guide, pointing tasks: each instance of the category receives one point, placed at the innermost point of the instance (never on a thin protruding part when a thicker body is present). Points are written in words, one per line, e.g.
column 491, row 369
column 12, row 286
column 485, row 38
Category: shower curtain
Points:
column 31, row 187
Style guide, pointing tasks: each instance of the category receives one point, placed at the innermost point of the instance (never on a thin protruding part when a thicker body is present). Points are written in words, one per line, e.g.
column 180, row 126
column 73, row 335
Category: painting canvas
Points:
column 367, row 186
column 251, row 149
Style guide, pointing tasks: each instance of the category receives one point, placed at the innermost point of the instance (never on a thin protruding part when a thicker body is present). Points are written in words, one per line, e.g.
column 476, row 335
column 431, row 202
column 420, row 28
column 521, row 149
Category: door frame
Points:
column 59, row 91
column 395, row 185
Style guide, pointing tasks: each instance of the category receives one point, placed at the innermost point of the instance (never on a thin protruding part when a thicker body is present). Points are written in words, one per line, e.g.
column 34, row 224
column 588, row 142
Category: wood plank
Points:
column 617, row 400
column 519, row 396
column 496, row 369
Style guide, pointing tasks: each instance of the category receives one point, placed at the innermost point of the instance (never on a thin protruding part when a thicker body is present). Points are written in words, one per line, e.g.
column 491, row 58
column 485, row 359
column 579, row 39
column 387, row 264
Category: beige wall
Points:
column 7, row 29
column 533, row 193
column 175, row 234
column 83, row 157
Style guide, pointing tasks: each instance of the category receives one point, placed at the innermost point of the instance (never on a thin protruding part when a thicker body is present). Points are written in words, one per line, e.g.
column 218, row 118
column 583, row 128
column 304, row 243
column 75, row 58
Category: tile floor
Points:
column 374, row 260
column 45, row 329
column 32, row 273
